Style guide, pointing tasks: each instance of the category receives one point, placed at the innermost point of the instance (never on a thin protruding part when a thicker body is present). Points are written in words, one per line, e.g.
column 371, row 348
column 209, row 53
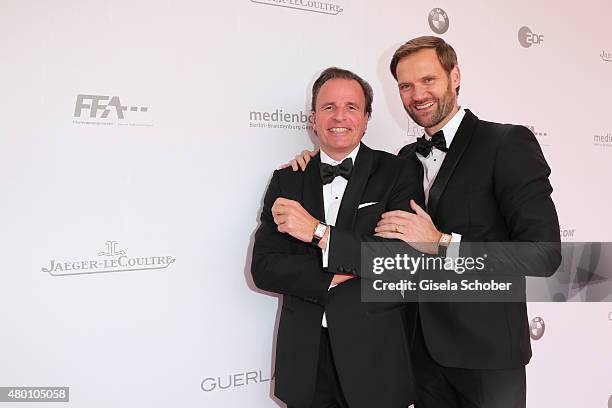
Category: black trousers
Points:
column 445, row 387
column 328, row 392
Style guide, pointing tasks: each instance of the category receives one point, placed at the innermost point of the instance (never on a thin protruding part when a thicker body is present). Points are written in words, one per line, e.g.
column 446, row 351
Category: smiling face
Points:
column 428, row 92
column 339, row 118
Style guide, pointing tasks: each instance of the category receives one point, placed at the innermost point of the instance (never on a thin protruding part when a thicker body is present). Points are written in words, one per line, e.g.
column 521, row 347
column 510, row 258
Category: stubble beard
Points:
column 444, row 108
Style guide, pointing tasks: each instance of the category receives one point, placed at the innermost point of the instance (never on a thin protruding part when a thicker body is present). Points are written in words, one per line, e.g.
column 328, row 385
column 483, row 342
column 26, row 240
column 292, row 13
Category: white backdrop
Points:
column 134, row 137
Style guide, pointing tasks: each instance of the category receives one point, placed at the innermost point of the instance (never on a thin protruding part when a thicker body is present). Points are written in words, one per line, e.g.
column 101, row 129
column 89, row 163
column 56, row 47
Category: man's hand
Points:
column 301, row 160
column 417, row 230
column 291, row 218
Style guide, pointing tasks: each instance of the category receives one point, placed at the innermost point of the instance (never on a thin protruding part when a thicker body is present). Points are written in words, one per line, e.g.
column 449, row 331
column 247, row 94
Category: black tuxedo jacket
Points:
column 492, row 187
column 368, row 340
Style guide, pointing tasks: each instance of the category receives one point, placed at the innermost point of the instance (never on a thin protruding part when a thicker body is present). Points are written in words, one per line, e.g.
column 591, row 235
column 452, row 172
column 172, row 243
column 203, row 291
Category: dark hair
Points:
column 446, row 54
column 335, row 73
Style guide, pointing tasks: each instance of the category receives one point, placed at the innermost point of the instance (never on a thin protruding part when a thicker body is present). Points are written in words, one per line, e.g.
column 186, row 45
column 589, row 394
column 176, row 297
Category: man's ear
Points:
column 314, row 122
column 455, row 76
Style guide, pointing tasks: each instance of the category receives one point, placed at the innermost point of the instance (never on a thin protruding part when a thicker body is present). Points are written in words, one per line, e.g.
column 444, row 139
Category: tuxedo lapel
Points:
column 313, row 189
column 355, row 187
column 457, row 148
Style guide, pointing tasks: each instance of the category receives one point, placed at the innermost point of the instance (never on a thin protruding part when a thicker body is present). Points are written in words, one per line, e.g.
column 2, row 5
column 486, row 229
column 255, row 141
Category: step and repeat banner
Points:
column 137, row 140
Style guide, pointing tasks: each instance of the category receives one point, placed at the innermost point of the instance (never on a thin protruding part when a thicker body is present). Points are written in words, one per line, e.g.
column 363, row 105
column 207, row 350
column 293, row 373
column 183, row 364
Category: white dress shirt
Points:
column 431, row 167
column 332, row 197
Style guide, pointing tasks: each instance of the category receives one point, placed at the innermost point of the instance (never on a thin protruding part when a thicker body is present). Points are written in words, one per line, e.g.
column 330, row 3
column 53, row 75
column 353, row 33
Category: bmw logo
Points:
column 537, row 328
column 438, row 21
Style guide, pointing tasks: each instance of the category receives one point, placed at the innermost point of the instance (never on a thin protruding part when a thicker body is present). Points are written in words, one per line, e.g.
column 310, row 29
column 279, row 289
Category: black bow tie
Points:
column 329, row 172
column 424, row 146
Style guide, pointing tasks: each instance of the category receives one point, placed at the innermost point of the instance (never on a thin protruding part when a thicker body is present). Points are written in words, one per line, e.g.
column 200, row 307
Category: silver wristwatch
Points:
column 318, row 233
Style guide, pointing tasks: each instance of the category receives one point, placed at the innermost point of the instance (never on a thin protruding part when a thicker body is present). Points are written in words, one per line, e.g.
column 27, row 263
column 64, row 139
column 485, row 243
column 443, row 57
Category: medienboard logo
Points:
column 103, row 110
column 606, row 56
column 537, row 328
column 111, row 259
column 280, row 119
column 527, row 38
column 305, row 5
column 233, row 380
column 603, row 140
column 438, row 20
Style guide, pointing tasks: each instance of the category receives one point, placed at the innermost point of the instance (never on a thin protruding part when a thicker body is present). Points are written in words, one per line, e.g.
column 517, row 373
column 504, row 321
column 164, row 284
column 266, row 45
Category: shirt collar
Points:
column 328, row 160
column 451, row 127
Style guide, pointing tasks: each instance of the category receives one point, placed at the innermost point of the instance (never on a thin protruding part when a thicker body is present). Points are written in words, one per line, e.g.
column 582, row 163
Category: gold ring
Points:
column 396, row 228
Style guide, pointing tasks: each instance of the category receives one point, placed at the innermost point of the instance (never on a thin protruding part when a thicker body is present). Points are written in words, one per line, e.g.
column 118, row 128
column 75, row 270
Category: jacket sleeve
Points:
column 523, row 193
column 345, row 246
column 276, row 265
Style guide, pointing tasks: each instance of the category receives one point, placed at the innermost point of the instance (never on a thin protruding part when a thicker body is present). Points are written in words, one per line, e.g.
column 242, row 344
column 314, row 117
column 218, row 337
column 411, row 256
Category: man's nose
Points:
column 419, row 93
column 339, row 114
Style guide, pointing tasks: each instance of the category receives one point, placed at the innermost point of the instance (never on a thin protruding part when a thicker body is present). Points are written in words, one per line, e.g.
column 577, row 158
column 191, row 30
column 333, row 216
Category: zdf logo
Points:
column 103, row 104
column 527, row 38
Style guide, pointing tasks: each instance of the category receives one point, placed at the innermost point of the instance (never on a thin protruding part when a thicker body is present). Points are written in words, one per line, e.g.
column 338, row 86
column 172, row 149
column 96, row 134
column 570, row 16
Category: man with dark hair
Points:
column 484, row 182
column 339, row 73
column 332, row 349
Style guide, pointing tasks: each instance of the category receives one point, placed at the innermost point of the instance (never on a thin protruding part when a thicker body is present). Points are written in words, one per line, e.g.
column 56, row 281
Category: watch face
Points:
column 445, row 239
column 320, row 231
